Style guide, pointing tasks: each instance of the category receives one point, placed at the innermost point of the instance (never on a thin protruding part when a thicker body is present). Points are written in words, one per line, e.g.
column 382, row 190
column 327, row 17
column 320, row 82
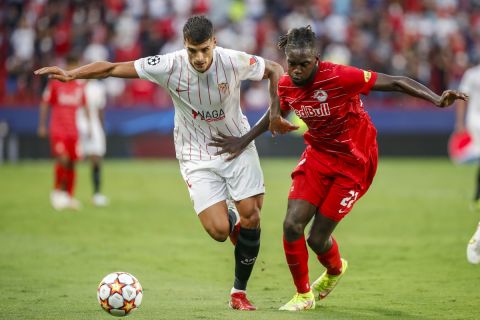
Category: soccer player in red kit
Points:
column 340, row 160
column 64, row 99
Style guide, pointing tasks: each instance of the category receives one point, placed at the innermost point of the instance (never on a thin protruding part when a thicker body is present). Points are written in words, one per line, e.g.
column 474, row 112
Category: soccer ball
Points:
column 119, row 293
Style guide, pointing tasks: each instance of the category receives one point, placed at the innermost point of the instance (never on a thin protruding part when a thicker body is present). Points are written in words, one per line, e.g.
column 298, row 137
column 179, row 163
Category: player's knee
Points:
column 218, row 234
column 251, row 219
column 218, row 230
column 292, row 229
column 318, row 243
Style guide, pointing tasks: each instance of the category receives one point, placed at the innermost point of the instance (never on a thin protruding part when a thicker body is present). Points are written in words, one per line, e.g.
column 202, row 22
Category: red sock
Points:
column 70, row 178
column 234, row 234
column 59, row 176
column 331, row 259
column 297, row 258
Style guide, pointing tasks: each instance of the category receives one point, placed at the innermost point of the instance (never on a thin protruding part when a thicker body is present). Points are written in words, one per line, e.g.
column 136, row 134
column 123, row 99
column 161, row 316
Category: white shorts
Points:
column 93, row 145
column 212, row 181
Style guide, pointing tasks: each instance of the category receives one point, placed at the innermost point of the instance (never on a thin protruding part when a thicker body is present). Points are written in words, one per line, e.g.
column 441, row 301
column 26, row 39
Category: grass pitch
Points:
column 405, row 242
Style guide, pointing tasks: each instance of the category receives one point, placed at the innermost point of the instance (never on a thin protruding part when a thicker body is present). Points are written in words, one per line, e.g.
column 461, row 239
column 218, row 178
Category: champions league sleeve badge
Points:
column 153, row 60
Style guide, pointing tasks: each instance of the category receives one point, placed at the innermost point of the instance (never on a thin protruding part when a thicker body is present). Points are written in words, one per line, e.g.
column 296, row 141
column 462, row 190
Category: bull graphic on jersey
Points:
column 223, row 87
column 320, row 95
column 209, row 116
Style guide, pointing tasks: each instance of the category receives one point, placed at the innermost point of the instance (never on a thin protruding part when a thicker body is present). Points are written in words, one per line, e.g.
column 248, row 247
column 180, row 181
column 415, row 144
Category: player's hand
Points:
column 54, row 73
column 281, row 125
column 449, row 96
column 228, row 144
column 42, row 131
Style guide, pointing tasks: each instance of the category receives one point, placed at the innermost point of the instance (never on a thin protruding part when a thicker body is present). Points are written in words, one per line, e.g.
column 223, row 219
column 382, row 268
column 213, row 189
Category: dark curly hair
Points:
column 302, row 37
column 197, row 29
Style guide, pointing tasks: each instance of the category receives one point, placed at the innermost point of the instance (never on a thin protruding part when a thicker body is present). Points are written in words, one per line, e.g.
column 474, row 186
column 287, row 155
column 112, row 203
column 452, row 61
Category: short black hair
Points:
column 197, row 29
column 299, row 38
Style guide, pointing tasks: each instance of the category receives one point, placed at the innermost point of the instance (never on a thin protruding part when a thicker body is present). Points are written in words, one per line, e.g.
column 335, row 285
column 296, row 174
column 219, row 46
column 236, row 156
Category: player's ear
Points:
column 214, row 41
column 185, row 43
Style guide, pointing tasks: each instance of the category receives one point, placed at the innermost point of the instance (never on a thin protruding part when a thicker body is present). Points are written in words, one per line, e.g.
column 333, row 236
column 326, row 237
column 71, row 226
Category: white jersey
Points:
column 470, row 85
column 205, row 103
column 92, row 143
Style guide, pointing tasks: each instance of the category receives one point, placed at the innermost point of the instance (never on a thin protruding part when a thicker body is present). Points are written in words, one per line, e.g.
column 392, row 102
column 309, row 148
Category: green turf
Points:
column 405, row 242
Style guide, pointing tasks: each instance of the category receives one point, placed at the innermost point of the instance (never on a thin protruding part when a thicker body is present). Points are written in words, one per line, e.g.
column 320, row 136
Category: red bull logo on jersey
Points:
column 310, row 112
column 209, row 116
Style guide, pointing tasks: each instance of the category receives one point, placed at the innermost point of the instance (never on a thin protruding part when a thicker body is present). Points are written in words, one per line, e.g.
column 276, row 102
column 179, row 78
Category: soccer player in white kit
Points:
column 204, row 83
column 468, row 118
column 92, row 143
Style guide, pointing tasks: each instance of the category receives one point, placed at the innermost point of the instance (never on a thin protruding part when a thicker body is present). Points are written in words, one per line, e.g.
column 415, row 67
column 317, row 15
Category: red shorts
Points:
column 330, row 183
column 64, row 146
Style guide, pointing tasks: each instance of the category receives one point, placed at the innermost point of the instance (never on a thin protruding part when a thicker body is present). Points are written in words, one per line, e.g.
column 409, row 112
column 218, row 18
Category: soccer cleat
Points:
column 74, row 204
column 473, row 247
column 99, row 200
column 239, row 301
column 300, row 301
column 59, row 199
column 236, row 229
column 327, row 282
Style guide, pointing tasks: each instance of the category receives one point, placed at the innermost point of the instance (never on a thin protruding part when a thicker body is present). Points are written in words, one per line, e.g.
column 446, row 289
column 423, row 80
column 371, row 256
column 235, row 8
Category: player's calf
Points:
column 215, row 221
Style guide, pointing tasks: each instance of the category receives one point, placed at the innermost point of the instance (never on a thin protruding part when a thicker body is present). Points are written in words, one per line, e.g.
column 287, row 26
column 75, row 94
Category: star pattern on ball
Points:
column 117, row 287
column 128, row 306
column 153, row 60
column 105, row 305
column 137, row 286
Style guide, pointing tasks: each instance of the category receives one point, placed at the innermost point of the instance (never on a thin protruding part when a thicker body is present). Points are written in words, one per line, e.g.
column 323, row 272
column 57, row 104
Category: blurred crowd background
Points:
column 432, row 41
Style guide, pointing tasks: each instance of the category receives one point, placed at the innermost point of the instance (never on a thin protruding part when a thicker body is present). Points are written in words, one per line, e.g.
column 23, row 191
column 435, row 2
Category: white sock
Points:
column 237, row 291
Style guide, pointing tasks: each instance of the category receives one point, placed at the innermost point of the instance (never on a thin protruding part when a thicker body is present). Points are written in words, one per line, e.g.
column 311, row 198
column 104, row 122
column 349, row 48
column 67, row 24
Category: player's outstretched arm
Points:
column 277, row 123
column 95, row 70
column 235, row 145
column 411, row 87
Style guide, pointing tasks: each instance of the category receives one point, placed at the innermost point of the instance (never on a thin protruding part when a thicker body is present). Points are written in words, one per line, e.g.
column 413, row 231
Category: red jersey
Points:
column 64, row 98
column 330, row 106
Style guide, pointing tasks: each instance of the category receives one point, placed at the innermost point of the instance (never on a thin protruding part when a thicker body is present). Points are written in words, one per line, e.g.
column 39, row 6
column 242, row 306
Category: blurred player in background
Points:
column 92, row 135
column 204, row 82
column 64, row 100
column 468, row 120
column 340, row 159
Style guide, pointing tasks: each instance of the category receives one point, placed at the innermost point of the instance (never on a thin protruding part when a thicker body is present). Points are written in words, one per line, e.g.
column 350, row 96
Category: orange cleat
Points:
column 239, row 301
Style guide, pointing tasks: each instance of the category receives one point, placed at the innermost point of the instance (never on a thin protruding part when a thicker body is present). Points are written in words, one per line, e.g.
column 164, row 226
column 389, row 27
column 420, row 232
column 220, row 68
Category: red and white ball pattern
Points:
column 119, row 293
